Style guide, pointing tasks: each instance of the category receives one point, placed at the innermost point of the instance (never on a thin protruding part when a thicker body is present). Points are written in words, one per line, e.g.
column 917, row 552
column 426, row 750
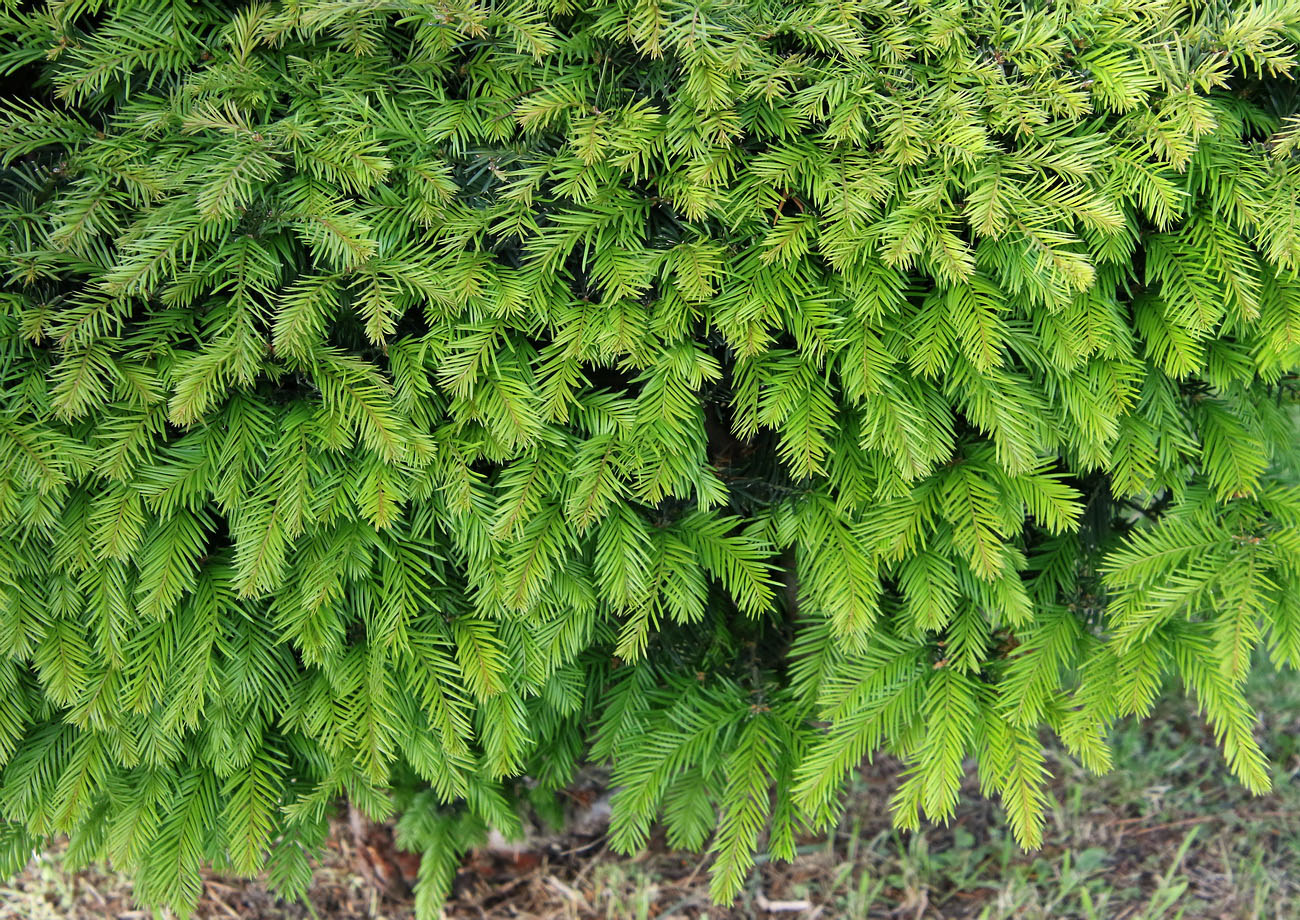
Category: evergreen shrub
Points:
column 415, row 402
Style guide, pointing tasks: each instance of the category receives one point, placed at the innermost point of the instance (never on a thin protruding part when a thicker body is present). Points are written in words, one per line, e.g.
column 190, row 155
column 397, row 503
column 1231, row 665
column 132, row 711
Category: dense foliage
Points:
column 417, row 401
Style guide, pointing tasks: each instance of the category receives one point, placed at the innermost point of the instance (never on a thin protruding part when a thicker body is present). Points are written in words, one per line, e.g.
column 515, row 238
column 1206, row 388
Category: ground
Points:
column 1167, row 836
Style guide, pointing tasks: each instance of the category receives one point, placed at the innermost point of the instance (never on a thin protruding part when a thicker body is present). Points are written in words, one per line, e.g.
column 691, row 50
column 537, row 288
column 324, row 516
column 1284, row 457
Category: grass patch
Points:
column 1169, row 835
